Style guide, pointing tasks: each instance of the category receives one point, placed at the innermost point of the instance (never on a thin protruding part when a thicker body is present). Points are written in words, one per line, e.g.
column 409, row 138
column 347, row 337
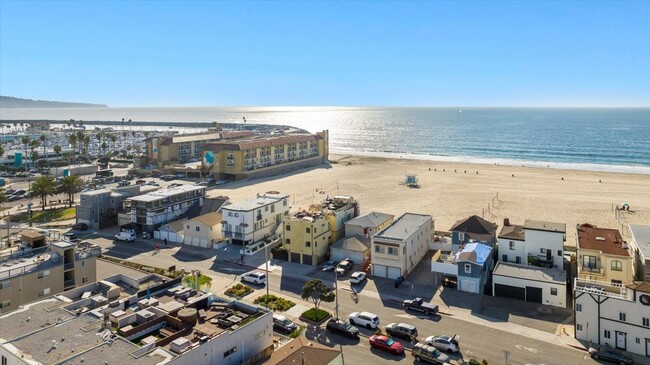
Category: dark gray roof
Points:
column 355, row 243
column 513, row 232
column 474, row 224
column 214, row 204
column 545, row 226
column 372, row 219
column 403, row 227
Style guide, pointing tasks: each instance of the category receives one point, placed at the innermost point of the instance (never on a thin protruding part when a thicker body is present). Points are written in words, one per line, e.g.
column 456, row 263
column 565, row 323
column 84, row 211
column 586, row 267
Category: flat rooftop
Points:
column 545, row 226
column 403, row 227
column 641, row 235
column 372, row 219
column 259, row 201
column 165, row 193
column 554, row 276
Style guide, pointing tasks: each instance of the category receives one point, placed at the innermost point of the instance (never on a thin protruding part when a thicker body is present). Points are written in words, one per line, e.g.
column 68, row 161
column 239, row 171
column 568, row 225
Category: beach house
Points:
column 252, row 222
column 400, row 246
column 535, row 243
column 640, row 247
column 616, row 315
column 368, row 225
column 603, row 255
column 306, row 237
column 472, row 229
column 203, row 231
column 474, row 263
column 530, row 283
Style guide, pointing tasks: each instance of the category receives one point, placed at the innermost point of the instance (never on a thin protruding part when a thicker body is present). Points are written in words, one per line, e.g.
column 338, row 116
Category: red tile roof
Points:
column 608, row 241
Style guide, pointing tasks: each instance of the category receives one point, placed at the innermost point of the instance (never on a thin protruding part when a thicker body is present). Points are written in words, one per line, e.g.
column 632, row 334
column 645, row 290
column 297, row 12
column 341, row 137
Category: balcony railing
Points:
column 597, row 270
column 68, row 284
column 68, row 266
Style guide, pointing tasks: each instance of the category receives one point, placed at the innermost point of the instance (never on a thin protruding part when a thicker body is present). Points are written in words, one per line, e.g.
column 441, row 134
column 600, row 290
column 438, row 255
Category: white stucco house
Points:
column 251, row 222
column 613, row 314
column 535, row 243
column 530, row 283
column 640, row 248
column 399, row 247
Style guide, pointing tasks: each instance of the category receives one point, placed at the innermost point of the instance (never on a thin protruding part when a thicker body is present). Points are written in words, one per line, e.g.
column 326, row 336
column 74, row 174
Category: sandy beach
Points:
column 450, row 191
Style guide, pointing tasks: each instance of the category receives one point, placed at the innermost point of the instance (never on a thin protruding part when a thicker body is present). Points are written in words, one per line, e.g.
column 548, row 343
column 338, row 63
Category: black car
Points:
column 402, row 330
column 343, row 267
column 342, row 327
column 608, row 353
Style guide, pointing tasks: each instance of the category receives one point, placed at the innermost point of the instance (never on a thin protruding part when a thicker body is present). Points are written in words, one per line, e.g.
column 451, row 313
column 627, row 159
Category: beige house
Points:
column 603, row 255
column 307, row 237
column 203, row 231
column 45, row 271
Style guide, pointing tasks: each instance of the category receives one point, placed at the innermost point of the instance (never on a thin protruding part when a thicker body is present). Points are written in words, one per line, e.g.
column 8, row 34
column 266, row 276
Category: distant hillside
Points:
column 11, row 102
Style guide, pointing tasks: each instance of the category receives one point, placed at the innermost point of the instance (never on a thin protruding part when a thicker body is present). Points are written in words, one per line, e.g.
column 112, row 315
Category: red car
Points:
column 387, row 344
column 140, row 182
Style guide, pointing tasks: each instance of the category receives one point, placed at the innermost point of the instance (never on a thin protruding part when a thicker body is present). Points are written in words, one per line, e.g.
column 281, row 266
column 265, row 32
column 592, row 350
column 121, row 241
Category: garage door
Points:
column 340, row 255
column 379, row 271
column 533, row 294
column 295, row 257
column 306, row 259
column 508, row 291
column 394, row 272
column 467, row 285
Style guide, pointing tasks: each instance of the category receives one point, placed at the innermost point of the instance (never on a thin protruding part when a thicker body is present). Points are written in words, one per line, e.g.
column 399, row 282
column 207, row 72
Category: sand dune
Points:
column 533, row 193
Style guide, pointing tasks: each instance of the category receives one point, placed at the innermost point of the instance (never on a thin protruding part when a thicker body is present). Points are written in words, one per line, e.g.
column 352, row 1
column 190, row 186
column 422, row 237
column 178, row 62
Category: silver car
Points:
column 444, row 343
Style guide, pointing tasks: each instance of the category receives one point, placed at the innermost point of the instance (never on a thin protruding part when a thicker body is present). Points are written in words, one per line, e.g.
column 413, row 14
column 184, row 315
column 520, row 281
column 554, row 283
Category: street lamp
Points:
column 336, row 293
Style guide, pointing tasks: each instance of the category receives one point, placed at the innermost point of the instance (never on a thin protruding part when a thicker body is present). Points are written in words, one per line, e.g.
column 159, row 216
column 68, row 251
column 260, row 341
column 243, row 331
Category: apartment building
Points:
column 252, row 222
column 613, row 314
column 338, row 210
column 183, row 148
column 144, row 321
column 400, row 246
column 29, row 275
column 368, row 225
column 149, row 211
column 260, row 156
column 640, row 247
column 603, row 255
column 98, row 208
column 306, row 237
column 534, row 243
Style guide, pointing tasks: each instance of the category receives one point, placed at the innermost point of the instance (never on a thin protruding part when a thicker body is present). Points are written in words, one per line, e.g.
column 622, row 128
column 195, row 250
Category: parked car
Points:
column 417, row 304
column 402, row 330
column 343, row 267
column 140, row 182
column 386, row 343
column 364, row 319
column 80, row 227
column 9, row 191
column 201, row 183
column 444, row 343
column 167, row 177
column 70, row 237
column 330, row 265
column 20, row 192
column 358, row 277
column 152, row 183
column 430, row 354
column 124, row 183
column 254, row 277
column 283, row 324
column 609, row 353
column 126, row 236
column 342, row 327
column 13, row 198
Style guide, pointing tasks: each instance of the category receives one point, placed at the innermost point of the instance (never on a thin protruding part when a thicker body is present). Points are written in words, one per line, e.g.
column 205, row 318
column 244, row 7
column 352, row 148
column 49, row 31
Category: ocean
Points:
column 604, row 139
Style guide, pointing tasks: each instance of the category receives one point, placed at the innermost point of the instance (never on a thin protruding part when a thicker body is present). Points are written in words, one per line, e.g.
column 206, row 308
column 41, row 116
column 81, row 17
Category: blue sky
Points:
column 330, row 53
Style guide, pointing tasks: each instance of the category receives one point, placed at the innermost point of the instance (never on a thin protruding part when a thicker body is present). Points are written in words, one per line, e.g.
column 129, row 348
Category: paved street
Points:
column 481, row 338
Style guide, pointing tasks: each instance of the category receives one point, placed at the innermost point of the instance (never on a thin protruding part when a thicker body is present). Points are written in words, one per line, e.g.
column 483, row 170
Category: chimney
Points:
column 506, row 222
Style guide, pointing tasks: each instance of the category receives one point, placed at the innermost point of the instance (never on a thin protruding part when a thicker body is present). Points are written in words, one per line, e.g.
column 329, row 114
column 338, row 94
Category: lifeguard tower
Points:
column 411, row 181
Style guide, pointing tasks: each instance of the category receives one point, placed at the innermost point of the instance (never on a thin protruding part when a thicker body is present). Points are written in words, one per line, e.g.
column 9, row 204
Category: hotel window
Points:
column 622, row 317
column 578, row 307
column 512, row 245
column 287, row 227
column 578, row 327
column 307, row 230
column 617, row 265
column 468, row 268
column 288, row 241
column 646, row 322
column 553, row 291
column 307, row 244
column 5, row 285
column 607, row 334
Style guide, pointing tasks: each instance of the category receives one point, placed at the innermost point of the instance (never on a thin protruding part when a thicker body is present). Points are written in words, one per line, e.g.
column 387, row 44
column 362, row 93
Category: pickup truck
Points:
column 419, row 305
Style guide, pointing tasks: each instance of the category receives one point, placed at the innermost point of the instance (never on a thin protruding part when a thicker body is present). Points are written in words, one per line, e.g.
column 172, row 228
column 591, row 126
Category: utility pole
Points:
column 336, row 293
column 266, row 255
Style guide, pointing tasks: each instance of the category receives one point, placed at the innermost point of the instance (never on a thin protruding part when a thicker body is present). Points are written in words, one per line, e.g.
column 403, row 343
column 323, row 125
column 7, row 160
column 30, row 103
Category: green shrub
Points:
column 315, row 315
column 296, row 333
column 239, row 290
column 275, row 303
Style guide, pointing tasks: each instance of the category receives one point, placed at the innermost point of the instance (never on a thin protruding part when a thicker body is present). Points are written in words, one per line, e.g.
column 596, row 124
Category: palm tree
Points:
column 104, row 147
column 73, row 142
column 146, row 134
column 2, row 150
column 33, row 154
column 57, row 151
column 33, row 157
column 42, row 138
column 86, row 142
column 26, row 141
column 113, row 139
column 70, row 185
column 43, row 187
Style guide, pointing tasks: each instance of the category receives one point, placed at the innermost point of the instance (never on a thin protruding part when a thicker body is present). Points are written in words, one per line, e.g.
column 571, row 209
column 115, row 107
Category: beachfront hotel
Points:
column 183, row 148
column 259, row 156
